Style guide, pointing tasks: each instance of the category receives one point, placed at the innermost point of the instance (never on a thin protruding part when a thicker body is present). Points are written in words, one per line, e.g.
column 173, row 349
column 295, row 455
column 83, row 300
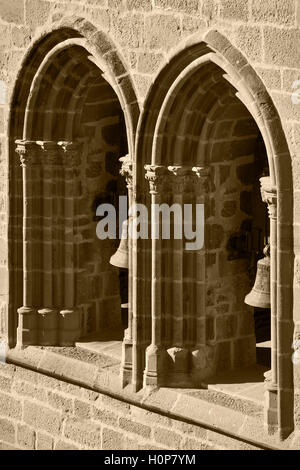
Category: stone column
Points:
column 69, row 316
column 269, row 196
column 127, row 345
column 178, row 352
column 27, row 324
column 156, row 175
column 199, row 354
column 47, row 315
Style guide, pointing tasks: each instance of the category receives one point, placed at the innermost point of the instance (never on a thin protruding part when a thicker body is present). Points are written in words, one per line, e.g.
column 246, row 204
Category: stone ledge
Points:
column 101, row 374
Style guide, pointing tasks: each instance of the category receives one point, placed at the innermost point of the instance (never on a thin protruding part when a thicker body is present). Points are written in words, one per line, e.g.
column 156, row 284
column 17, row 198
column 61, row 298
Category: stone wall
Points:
column 43, row 413
column 147, row 33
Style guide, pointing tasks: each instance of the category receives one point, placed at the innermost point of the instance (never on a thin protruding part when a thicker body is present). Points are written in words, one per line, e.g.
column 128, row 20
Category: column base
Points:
column 126, row 364
column 69, row 328
column 27, row 333
column 271, row 406
column 47, row 327
column 154, row 366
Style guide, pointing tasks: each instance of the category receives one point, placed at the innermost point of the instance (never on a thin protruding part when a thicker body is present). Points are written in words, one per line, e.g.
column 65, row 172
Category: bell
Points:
column 120, row 257
column 259, row 296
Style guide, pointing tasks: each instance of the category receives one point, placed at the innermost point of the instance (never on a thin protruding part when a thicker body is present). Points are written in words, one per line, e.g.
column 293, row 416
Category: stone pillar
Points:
column 199, row 354
column 127, row 345
column 69, row 316
column 178, row 352
column 269, row 196
column 47, row 315
column 27, row 314
column 155, row 355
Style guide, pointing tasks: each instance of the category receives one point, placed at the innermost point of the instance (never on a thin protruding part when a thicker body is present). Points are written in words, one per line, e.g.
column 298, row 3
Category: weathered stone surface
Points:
column 83, row 433
column 281, row 46
column 214, row 128
column 13, row 11
column 187, row 6
column 26, row 437
column 112, row 439
column 249, row 41
column 7, row 431
column 36, row 12
column 274, row 11
column 161, row 31
column 40, row 417
column 232, row 10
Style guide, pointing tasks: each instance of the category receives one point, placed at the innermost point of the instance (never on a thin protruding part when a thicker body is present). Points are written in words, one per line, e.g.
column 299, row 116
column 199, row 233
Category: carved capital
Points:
column 269, row 196
column 127, row 170
column 27, row 151
column 70, row 153
column 157, row 177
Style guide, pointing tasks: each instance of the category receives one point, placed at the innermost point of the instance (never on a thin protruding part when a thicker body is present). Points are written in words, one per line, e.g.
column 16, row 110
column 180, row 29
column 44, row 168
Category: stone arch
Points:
column 203, row 60
column 56, row 77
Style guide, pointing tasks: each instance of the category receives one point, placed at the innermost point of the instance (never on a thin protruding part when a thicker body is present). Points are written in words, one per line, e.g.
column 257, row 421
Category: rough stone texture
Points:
column 146, row 34
column 114, row 424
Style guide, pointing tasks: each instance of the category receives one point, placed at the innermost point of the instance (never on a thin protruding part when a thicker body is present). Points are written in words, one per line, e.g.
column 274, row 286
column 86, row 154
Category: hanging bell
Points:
column 120, row 257
column 259, row 296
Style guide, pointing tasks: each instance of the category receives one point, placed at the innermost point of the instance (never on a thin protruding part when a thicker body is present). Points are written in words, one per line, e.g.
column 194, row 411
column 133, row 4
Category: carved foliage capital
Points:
column 27, row 151
column 157, row 177
column 127, row 170
column 269, row 196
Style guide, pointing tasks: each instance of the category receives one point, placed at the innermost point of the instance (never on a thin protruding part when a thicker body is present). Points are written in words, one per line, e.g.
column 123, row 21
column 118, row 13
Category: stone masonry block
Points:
column 233, row 10
column 112, row 439
column 274, row 11
column 7, row 431
column 64, row 445
column 36, row 12
column 60, row 402
column 282, row 46
column 127, row 29
column 10, row 406
column 12, row 11
column 167, row 437
column 82, row 410
column 162, row 31
column 43, row 418
column 25, row 437
column 83, row 433
column 143, row 5
column 249, row 41
column 149, row 62
column 135, row 427
column 43, row 441
column 104, row 416
column 187, row 6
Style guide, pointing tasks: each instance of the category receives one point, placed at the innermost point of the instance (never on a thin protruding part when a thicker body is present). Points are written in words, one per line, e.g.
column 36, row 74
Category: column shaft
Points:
column 27, row 325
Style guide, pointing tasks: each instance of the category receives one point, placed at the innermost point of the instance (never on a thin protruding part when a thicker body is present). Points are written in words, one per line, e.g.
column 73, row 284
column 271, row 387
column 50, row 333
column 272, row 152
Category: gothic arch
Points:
column 56, row 75
column 170, row 110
